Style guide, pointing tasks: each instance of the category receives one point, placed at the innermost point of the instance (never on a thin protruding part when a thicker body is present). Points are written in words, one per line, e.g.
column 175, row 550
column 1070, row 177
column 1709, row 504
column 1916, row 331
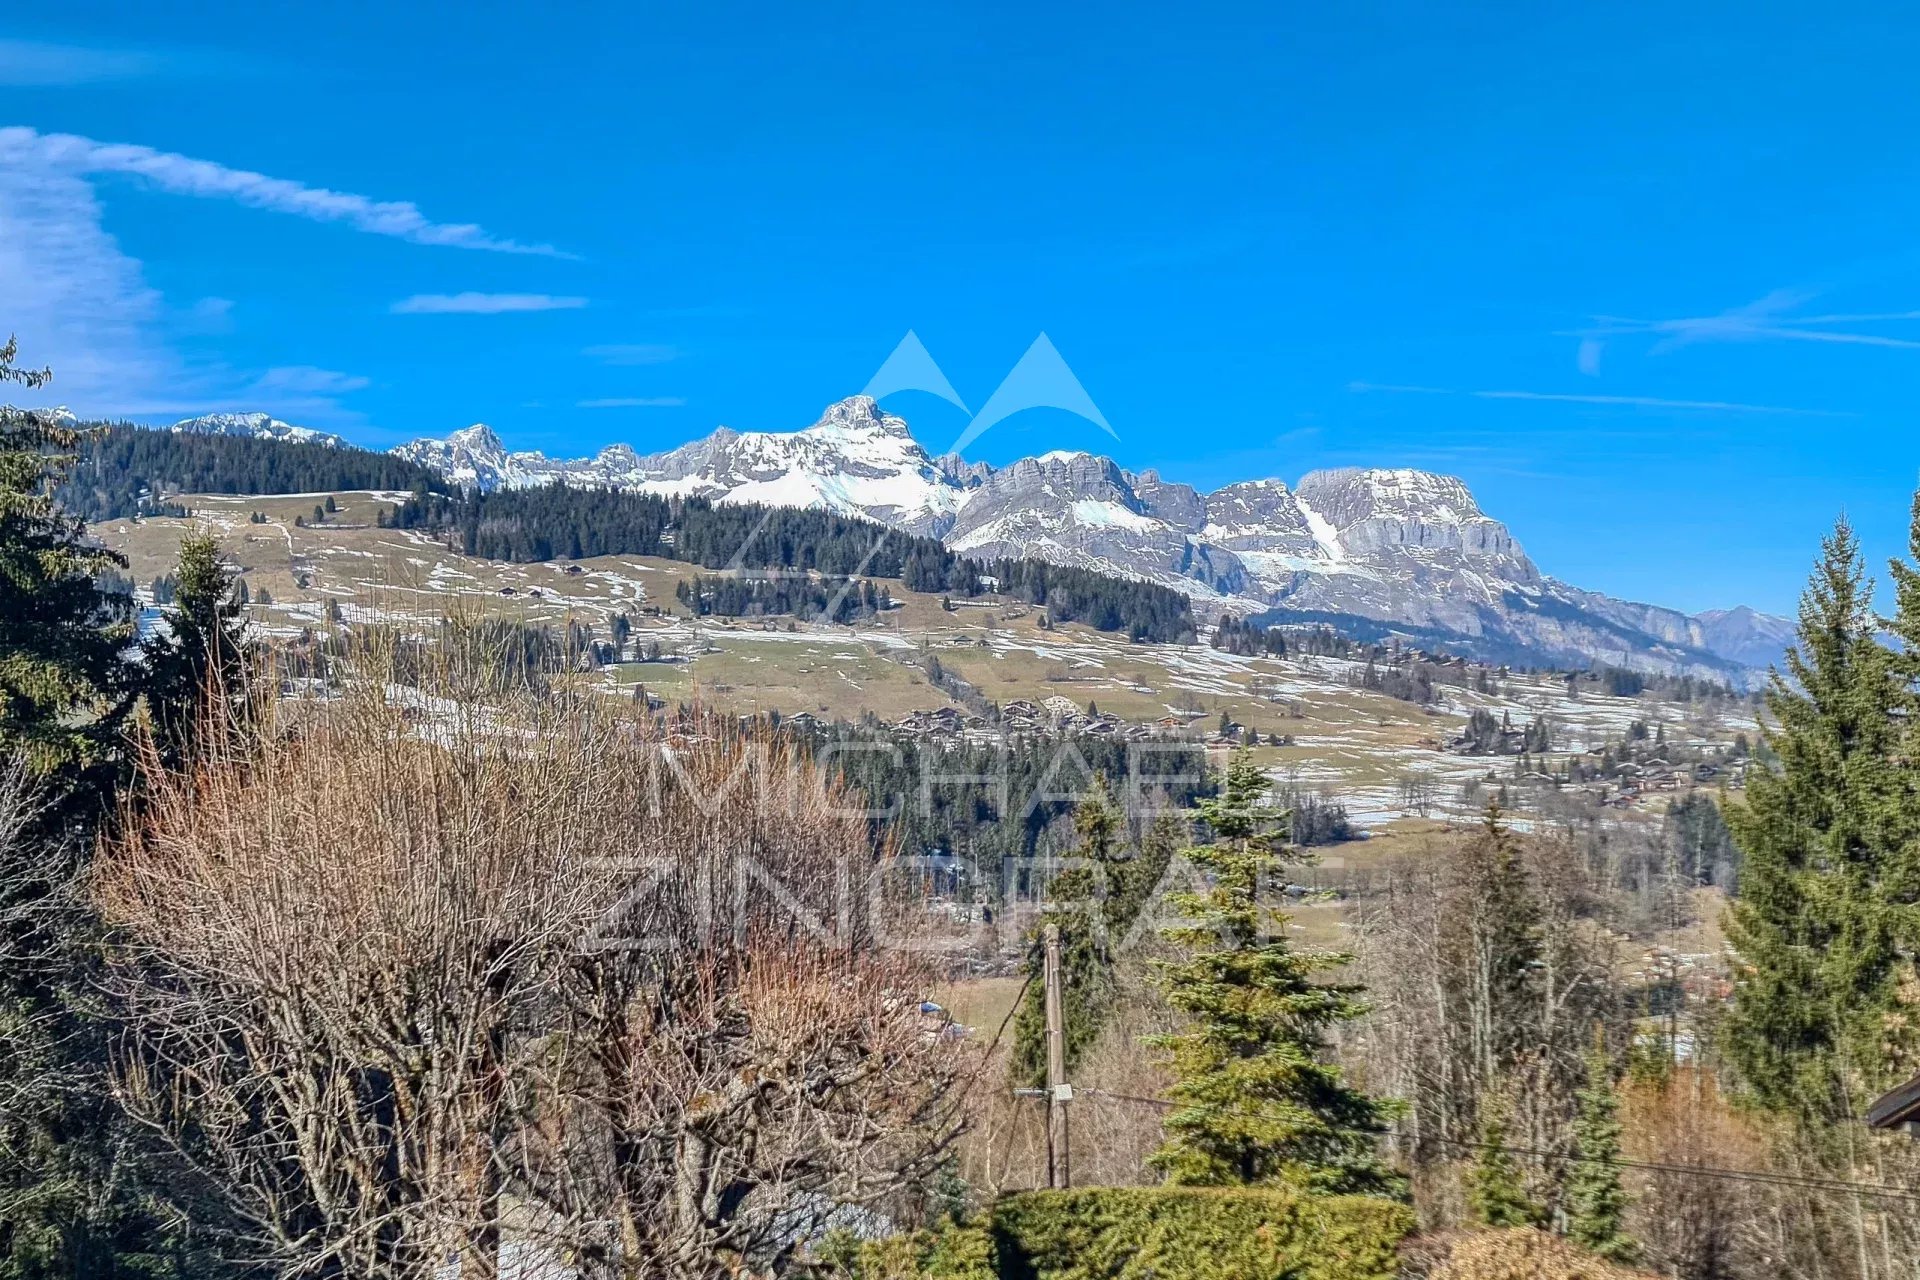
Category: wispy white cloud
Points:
column 1769, row 318
column 82, row 305
column 78, row 303
column 1655, row 402
column 40, row 64
column 1624, row 402
column 1400, row 388
column 482, row 304
column 633, row 402
column 305, row 379
column 183, row 175
column 633, row 353
column 210, row 315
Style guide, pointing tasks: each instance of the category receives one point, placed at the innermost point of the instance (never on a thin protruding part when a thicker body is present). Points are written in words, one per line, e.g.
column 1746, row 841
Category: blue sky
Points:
column 1646, row 276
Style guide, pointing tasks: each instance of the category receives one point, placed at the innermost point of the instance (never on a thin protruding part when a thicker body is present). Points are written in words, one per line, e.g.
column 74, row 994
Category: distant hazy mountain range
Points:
column 1407, row 549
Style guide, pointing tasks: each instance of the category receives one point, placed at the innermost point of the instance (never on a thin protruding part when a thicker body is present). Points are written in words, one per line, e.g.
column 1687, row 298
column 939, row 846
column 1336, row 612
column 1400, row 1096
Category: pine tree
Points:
column 1596, row 1202
column 1256, row 1100
column 1496, row 1195
column 77, row 1194
column 1812, row 926
column 64, row 685
column 199, row 666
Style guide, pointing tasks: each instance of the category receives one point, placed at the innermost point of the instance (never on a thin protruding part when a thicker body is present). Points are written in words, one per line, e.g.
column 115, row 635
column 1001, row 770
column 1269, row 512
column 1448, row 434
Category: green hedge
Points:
column 1153, row 1233
column 950, row 1252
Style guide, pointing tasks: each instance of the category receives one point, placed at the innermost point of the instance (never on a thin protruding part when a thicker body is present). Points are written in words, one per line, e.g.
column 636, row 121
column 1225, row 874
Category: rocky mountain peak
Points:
column 859, row 417
column 1359, row 492
column 479, row 437
column 1382, row 512
column 1406, row 547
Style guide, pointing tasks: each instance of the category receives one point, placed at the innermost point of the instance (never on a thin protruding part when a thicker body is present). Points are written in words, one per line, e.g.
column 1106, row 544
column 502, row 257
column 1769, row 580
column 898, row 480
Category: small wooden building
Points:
column 1898, row 1109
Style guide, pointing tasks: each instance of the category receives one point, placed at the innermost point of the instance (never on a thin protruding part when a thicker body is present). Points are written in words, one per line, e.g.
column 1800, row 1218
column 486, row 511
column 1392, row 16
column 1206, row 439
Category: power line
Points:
column 1761, row 1176
column 980, row 1066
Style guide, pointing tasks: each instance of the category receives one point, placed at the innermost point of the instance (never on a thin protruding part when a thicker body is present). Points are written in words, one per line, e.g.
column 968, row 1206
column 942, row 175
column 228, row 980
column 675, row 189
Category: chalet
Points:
column 573, row 571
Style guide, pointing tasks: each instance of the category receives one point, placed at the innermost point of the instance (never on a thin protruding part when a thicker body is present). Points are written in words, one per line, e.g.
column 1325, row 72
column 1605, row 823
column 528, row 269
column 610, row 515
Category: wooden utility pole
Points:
column 1059, row 1092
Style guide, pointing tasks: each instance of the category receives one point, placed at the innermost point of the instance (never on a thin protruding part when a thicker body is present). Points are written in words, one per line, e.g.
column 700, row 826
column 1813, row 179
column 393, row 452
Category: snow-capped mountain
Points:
column 857, row 460
column 1757, row 639
column 258, row 426
column 1407, row 549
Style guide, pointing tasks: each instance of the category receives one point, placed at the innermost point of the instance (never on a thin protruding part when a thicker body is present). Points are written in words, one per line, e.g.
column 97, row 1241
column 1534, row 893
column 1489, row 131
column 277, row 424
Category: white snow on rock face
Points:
column 258, row 426
column 856, row 459
column 1399, row 546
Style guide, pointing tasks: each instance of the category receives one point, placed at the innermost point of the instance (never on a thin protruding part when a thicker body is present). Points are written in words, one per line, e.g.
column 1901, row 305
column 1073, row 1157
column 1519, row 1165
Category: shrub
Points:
column 1149, row 1233
column 1133, row 1233
column 948, row 1252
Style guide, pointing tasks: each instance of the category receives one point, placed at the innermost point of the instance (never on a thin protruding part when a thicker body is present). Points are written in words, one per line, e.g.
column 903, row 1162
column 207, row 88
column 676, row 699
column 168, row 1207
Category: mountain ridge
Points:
column 1391, row 545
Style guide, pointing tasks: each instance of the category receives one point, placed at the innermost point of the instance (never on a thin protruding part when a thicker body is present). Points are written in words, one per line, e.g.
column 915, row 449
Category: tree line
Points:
column 841, row 601
column 121, row 470
column 560, row 522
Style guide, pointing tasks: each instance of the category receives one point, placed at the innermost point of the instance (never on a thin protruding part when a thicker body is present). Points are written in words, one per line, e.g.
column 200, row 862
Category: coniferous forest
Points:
column 562, row 523
column 122, row 470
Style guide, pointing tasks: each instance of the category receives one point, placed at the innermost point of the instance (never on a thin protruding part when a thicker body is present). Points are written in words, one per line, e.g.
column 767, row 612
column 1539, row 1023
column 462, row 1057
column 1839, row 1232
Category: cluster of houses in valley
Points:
column 1059, row 715
column 1631, row 782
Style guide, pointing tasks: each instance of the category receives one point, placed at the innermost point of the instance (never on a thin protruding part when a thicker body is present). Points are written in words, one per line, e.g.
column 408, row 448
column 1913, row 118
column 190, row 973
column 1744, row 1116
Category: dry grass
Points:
column 1515, row 1254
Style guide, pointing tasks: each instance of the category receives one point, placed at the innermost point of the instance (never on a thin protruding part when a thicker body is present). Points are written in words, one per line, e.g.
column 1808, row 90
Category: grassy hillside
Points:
column 1360, row 745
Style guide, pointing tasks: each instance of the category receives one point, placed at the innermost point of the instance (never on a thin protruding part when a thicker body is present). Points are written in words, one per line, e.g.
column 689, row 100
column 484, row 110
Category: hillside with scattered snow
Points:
column 1395, row 546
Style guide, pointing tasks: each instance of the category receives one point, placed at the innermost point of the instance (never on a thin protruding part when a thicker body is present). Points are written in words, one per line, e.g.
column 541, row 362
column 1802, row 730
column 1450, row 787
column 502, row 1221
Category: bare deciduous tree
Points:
column 416, row 978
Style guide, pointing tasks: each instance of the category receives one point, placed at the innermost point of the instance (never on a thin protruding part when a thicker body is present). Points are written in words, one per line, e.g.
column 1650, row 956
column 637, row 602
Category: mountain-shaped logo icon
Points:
column 1040, row 379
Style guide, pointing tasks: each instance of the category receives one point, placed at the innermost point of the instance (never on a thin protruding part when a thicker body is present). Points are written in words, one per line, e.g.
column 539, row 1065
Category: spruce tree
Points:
column 1257, row 1103
column 1901, row 881
column 1812, row 925
column 197, row 669
column 64, row 683
column 1496, row 1195
column 1596, row 1202
column 78, row 1196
